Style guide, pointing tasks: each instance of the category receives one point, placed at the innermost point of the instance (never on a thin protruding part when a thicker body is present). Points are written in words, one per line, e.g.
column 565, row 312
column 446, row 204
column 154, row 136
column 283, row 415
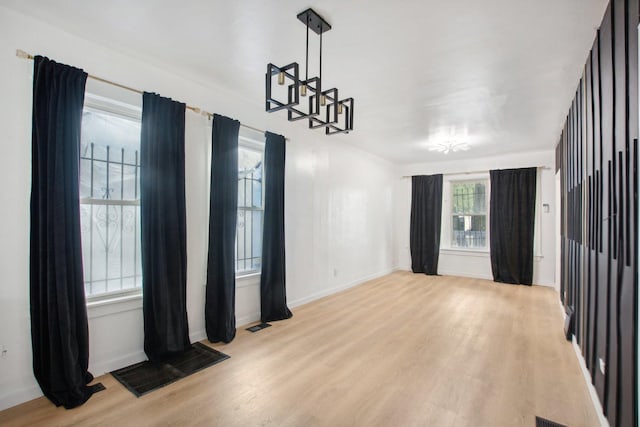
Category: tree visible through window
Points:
column 469, row 214
column 110, row 203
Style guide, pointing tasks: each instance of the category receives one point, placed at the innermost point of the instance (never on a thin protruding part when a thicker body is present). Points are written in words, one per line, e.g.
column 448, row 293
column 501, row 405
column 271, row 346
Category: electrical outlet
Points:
column 335, row 272
column 602, row 366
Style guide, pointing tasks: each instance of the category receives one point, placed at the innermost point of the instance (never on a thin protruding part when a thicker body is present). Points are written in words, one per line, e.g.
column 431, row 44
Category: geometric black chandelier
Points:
column 323, row 109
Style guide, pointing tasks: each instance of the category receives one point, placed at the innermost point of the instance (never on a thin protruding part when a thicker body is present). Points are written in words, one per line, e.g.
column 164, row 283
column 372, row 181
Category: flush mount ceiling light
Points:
column 447, row 146
column 323, row 108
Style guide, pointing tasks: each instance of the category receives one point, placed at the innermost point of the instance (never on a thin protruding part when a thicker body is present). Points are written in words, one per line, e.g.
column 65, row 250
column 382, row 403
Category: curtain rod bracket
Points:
column 22, row 54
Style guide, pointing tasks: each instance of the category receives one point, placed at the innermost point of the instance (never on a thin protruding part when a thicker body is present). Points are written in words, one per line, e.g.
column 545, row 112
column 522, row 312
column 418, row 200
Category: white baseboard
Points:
column 19, row 396
column 597, row 406
column 336, row 289
column 592, row 390
column 255, row 317
column 451, row 273
column 104, row 367
column 100, row 368
column 469, row 275
column 462, row 274
column 246, row 319
column 97, row 369
column 545, row 285
column 197, row 336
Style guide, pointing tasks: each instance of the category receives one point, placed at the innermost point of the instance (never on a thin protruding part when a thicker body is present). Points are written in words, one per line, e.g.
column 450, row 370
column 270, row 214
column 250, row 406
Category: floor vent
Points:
column 543, row 422
column 258, row 327
column 144, row 377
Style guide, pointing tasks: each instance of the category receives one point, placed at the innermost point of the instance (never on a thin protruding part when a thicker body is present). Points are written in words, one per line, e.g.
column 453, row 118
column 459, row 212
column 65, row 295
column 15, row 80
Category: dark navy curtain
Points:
column 220, row 316
column 426, row 218
column 273, row 295
column 163, row 227
column 59, row 329
column 512, row 213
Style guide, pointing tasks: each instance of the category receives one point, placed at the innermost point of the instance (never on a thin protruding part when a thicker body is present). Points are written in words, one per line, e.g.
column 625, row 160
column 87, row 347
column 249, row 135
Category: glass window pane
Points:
column 248, row 159
column 257, row 186
column 256, row 262
column 240, row 241
column 250, row 210
column 85, row 177
column 469, row 214
column 469, row 197
column 106, row 129
column 469, row 231
column 109, row 170
column 116, row 139
column 249, row 177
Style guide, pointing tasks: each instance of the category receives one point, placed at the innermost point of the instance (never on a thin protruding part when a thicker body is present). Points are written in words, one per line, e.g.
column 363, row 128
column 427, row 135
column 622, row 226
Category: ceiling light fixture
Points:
column 447, row 146
column 319, row 101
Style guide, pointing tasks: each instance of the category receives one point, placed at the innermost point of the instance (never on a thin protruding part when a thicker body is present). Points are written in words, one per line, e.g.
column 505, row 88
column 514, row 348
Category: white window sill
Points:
column 250, row 279
column 476, row 252
column 116, row 304
column 465, row 252
column 119, row 304
column 245, row 280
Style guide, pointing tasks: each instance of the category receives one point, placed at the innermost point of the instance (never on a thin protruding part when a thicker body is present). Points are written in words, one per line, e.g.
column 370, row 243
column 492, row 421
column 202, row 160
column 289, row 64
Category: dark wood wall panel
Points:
column 597, row 157
column 597, row 203
column 590, row 279
column 619, row 138
column 628, row 309
column 606, row 127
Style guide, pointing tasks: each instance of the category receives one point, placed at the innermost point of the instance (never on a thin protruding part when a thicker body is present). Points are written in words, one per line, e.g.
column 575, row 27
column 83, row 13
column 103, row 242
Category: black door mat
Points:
column 258, row 327
column 543, row 422
column 144, row 377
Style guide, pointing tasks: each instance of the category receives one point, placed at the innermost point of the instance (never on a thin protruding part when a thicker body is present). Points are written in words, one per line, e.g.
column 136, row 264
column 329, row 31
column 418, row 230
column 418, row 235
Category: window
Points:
column 110, row 198
column 250, row 206
column 468, row 214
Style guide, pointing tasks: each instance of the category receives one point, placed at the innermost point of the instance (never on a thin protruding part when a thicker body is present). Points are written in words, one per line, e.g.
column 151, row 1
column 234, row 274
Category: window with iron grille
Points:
column 469, row 214
column 110, row 201
column 250, row 207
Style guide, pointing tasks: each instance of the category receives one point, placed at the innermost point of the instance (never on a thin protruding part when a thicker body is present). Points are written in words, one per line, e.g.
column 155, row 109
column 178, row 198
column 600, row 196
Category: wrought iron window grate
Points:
column 469, row 214
column 110, row 219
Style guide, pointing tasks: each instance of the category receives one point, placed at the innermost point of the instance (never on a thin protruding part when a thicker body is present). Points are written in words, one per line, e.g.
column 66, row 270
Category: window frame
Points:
column 109, row 106
column 247, row 141
column 447, row 210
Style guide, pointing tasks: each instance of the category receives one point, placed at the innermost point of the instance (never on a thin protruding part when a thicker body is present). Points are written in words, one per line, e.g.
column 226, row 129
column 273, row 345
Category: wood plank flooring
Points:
column 401, row 350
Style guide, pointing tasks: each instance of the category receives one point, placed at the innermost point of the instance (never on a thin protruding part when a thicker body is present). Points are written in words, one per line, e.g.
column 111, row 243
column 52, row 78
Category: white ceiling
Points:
column 498, row 75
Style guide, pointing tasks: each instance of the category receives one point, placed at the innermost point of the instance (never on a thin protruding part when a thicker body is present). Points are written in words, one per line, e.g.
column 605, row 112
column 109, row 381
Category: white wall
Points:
column 478, row 264
column 338, row 214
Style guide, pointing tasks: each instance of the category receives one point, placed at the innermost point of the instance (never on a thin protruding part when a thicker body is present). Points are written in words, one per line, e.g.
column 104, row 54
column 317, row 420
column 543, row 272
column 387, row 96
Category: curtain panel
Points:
column 512, row 213
column 273, row 295
column 59, row 328
column 426, row 219
column 163, row 227
column 220, row 318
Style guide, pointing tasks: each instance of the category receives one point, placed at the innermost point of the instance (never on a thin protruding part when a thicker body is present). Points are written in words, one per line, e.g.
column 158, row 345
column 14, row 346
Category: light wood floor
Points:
column 401, row 350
